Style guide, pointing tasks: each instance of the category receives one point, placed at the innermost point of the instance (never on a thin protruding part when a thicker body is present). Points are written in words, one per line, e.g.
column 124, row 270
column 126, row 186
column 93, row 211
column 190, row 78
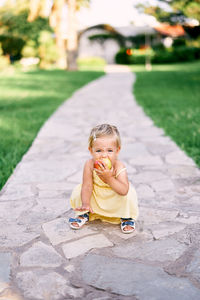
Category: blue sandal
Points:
column 126, row 222
column 80, row 221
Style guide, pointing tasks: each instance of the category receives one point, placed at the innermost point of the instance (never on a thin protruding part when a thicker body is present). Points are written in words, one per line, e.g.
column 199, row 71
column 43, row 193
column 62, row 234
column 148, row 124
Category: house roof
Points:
column 127, row 31
column 135, row 30
column 170, row 30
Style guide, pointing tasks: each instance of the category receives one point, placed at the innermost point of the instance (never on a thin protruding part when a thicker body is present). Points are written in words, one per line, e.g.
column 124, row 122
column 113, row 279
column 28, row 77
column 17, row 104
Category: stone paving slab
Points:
column 131, row 278
column 42, row 258
column 5, row 262
column 41, row 255
column 82, row 246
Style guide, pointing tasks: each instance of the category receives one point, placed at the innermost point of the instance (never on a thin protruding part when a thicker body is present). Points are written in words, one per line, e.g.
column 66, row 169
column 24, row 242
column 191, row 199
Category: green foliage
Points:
column 169, row 94
column 164, row 56
column 184, row 53
column 47, row 50
column 177, row 54
column 30, row 49
column 180, row 10
column 190, row 8
column 12, row 46
column 122, row 58
column 137, row 40
column 17, row 32
column 92, row 61
column 179, row 42
column 17, row 25
column 158, row 55
column 27, row 100
column 163, row 15
column 138, row 56
column 158, row 47
column 4, row 61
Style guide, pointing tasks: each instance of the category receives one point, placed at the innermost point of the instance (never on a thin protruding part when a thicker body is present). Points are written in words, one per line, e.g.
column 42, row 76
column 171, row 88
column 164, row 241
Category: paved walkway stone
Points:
column 42, row 258
column 131, row 278
column 40, row 255
column 5, row 261
column 81, row 246
column 58, row 231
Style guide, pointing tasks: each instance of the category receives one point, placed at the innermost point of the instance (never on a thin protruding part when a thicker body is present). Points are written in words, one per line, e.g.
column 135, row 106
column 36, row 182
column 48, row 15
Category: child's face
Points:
column 103, row 147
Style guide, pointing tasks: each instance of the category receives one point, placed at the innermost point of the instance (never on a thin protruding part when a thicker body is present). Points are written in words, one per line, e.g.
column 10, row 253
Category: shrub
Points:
column 47, row 50
column 167, row 55
column 187, row 53
column 163, row 56
column 179, row 42
column 29, row 49
column 139, row 55
column 133, row 56
column 158, row 47
column 177, row 54
column 16, row 31
column 4, row 61
column 91, row 61
column 12, row 46
column 122, row 57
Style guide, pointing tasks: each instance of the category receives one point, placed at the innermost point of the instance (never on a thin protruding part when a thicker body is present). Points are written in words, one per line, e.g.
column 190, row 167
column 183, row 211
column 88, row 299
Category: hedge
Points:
column 170, row 55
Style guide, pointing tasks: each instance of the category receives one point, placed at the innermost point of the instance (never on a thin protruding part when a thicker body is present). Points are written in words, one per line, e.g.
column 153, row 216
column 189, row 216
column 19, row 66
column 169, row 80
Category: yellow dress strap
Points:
column 119, row 172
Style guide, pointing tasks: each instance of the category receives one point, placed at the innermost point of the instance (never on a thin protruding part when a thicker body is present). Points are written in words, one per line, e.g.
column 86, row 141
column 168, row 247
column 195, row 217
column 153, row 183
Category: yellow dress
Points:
column 106, row 204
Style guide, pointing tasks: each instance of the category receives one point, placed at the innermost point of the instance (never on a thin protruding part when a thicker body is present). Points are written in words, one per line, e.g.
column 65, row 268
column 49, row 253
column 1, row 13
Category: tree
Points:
column 55, row 20
column 180, row 11
column 16, row 31
column 190, row 8
column 72, row 39
column 37, row 8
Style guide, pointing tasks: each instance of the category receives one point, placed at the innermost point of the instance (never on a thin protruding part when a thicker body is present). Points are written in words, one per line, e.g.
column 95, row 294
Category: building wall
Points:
column 105, row 50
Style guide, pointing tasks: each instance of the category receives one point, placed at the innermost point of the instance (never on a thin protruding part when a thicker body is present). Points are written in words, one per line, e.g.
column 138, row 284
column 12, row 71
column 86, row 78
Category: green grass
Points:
column 26, row 101
column 170, row 95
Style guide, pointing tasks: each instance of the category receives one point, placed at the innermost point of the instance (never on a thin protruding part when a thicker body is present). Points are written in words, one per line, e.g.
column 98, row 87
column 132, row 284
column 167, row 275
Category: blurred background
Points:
column 68, row 34
column 51, row 48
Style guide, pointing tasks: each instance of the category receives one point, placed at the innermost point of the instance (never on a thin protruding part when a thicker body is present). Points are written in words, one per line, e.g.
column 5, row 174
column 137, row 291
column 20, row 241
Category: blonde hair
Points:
column 103, row 130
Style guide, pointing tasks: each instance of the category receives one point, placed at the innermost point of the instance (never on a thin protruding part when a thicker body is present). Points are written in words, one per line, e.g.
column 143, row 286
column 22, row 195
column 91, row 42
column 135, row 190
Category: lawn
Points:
column 170, row 95
column 27, row 99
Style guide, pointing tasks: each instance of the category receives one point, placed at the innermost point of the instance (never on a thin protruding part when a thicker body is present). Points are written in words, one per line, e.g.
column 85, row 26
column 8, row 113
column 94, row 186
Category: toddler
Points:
column 105, row 192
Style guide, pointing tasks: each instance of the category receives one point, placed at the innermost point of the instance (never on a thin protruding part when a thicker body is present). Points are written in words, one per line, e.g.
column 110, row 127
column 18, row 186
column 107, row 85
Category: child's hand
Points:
column 104, row 172
column 84, row 208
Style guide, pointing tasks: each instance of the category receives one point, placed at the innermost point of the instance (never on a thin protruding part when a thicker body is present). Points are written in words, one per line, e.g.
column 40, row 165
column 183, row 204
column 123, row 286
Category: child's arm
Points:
column 120, row 184
column 87, row 187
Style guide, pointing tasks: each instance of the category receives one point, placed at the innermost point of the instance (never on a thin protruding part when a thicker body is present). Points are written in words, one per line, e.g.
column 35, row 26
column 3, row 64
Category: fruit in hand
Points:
column 105, row 161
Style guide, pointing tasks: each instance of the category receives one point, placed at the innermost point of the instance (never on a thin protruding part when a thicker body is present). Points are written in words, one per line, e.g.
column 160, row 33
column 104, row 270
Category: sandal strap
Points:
column 86, row 216
column 72, row 220
column 131, row 223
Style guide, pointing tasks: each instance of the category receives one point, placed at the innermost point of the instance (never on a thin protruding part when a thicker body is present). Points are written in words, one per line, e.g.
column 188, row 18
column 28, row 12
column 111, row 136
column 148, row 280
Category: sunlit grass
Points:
column 26, row 101
column 170, row 95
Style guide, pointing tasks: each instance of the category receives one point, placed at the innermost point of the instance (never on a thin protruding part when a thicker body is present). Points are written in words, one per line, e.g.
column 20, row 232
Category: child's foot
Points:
column 127, row 225
column 78, row 222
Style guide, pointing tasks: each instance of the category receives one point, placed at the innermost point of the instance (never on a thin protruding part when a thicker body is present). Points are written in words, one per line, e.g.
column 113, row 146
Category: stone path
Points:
column 41, row 258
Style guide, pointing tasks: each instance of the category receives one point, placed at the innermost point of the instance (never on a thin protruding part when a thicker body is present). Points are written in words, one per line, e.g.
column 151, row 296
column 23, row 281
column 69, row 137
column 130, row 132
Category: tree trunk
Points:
column 72, row 41
column 37, row 8
column 44, row 10
column 56, row 22
column 34, row 10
